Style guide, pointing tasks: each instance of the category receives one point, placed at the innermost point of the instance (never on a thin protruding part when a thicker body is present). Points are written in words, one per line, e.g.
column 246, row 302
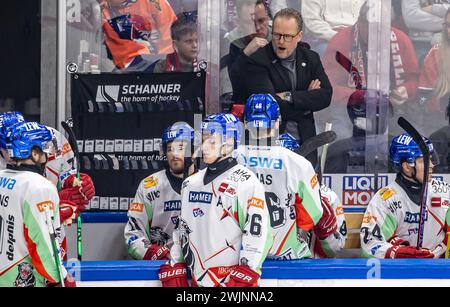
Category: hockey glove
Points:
column 157, row 252
column 327, row 225
column 66, row 212
column 399, row 251
column 77, row 191
column 398, row 241
column 173, row 276
column 242, row 276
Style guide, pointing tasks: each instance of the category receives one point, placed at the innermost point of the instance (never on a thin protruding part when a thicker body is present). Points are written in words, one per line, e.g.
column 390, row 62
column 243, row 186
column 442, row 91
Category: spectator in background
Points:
column 324, row 18
column 185, row 45
column 353, row 43
column 435, row 74
column 291, row 73
column 136, row 30
column 247, row 45
column 424, row 20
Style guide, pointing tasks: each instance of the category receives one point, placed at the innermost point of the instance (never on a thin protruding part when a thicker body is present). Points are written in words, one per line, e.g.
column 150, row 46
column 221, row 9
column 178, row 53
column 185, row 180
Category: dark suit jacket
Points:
column 262, row 72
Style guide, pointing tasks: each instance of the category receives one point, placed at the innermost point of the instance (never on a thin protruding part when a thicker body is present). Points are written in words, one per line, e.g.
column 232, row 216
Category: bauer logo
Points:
column 200, row 197
column 173, row 205
column 359, row 190
column 108, row 93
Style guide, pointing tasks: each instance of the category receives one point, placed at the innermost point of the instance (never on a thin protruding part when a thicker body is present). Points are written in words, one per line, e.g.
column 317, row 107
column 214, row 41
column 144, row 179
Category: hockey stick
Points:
column 350, row 68
column 317, row 141
column 417, row 137
column 67, row 125
column 323, row 155
column 56, row 254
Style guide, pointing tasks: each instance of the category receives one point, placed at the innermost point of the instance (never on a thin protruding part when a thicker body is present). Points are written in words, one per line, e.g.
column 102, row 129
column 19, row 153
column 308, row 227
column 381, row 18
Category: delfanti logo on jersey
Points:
column 200, row 197
column 173, row 205
column 359, row 190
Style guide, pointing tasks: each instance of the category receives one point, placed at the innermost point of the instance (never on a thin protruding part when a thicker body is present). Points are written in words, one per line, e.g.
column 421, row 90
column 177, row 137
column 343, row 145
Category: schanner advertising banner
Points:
column 118, row 121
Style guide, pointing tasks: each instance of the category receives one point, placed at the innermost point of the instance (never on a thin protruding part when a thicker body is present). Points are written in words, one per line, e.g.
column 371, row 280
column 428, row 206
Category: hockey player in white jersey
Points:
column 331, row 243
column 391, row 222
column 154, row 213
column 291, row 185
column 74, row 193
column 224, row 231
column 28, row 202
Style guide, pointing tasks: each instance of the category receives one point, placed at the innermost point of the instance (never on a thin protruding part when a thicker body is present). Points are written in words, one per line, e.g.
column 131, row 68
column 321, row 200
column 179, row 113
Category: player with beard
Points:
column 154, row 213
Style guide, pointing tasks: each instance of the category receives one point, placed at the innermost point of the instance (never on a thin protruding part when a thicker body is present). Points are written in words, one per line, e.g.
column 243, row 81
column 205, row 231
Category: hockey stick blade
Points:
column 350, row 68
column 417, row 137
column 317, row 141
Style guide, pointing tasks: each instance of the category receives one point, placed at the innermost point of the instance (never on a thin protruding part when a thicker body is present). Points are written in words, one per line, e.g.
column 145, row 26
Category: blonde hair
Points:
column 442, row 86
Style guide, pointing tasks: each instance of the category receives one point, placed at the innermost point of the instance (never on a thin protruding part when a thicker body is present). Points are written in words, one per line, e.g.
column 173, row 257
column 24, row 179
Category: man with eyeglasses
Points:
column 293, row 74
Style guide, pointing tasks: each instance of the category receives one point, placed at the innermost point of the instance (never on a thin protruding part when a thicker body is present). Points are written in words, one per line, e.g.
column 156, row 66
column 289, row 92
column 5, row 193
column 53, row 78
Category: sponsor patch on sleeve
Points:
column 256, row 202
column 45, row 205
column 435, row 202
column 137, row 207
column 314, row 181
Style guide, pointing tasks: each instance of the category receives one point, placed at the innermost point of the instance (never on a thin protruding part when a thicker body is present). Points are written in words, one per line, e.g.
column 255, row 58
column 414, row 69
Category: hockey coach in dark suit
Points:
column 293, row 74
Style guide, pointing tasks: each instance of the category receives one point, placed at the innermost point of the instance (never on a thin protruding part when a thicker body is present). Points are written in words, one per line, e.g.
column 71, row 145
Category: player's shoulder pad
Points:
column 295, row 159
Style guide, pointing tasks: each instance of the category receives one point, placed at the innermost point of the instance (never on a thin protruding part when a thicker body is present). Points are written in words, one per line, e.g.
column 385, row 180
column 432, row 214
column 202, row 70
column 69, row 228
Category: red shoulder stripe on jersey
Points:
column 437, row 220
column 284, row 239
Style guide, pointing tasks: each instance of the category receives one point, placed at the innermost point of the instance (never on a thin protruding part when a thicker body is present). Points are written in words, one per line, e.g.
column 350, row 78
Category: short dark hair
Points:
column 241, row 3
column 290, row 13
column 182, row 26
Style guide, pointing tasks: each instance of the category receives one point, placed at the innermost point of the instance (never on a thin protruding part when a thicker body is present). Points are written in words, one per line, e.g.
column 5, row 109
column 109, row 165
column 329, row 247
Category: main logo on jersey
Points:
column 172, row 205
column 25, row 278
column 200, row 197
column 150, row 182
column 7, row 183
column 198, row 212
column 359, row 190
column 386, row 193
column 46, row 205
column 137, row 207
column 7, row 229
column 262, row 162
column 414, row 218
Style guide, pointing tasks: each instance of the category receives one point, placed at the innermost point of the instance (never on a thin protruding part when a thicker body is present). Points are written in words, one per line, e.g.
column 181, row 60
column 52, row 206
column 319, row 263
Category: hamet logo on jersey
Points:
column 359, row 190
column 262, row 162
column 173, row 205
column 414, row 218
column 200, row 197
column 198, row 212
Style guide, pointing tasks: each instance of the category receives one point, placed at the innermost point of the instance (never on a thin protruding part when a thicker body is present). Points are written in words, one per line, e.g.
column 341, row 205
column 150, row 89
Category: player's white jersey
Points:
column 26, row 254
column 328, row 247
column 62, row 163
column 288, row 179
column 153, row 215
column 223, row 223
column 391, row 213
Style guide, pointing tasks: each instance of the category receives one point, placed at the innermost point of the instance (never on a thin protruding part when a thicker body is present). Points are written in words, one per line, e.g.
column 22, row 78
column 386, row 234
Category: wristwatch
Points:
column 288, row 96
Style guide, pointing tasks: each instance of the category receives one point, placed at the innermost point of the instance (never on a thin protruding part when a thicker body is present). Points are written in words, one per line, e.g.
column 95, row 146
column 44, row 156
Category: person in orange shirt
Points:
column 136, row 29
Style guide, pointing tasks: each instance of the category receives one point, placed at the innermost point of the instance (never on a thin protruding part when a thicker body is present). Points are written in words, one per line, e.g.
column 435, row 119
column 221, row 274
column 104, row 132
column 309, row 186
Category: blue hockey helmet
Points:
column 8, row 119
column 405, row 149
column 261, row 111
column 227, row 125
column 180, row 131
column 22, row 137
column 288, row 141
